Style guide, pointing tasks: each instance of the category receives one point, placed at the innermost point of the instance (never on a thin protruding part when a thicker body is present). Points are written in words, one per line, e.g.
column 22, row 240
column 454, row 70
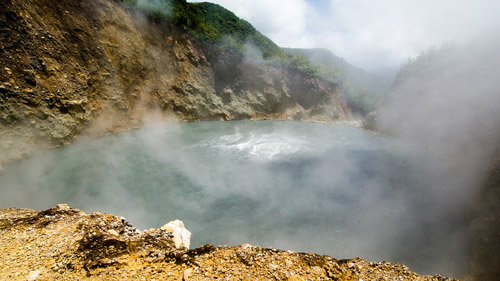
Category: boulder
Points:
column 182, row 236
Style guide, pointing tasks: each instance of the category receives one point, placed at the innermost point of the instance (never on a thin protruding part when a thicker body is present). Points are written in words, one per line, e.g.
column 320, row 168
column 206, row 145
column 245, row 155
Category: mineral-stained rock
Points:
column 63, row 243
column 182, row 236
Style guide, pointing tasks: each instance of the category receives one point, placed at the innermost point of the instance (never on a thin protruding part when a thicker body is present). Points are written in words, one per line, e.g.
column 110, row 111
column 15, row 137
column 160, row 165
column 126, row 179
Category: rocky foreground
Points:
column 63, row 243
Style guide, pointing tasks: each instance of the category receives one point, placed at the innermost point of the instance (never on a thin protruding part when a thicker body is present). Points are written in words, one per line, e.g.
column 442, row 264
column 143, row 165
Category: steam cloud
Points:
column 450, row 109
column 325, row 188
column 345, row 194
column 394, row 205
column 369, row 34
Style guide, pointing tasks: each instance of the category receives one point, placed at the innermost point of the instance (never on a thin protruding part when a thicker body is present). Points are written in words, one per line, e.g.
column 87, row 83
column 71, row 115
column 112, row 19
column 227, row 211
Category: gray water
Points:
column 326, row 188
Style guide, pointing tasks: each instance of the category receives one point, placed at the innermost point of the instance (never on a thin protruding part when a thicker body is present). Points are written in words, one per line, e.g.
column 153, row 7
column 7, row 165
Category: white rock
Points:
column 32, row 275
column 182, row 236
column 63, row 207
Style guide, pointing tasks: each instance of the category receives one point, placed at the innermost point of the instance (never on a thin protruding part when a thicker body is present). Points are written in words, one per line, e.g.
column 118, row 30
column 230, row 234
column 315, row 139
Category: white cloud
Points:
column 368, row 33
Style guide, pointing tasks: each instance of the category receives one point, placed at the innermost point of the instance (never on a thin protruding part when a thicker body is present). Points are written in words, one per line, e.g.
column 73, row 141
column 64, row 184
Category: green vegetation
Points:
column 429, row 62
column 219, row 28
column 363, row 90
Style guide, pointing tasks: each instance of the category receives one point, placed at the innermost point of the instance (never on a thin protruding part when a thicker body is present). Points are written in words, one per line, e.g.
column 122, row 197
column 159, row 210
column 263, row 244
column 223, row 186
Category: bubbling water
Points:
column 326, row 188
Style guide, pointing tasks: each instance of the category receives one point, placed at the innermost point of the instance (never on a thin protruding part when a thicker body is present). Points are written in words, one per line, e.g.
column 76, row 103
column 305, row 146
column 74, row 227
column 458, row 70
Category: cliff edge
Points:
column 63, row 243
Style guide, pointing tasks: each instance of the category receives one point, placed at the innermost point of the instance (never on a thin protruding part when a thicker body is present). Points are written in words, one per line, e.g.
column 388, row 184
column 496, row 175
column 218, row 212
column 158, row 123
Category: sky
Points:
column 371, row 34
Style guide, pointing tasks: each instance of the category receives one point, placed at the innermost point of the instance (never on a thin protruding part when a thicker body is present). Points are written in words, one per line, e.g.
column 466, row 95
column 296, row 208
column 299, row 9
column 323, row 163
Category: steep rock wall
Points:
column 88, row 68
column 251, row 88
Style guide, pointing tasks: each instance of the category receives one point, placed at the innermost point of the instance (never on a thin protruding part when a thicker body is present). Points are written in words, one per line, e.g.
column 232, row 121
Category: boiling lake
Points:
column 325, row 188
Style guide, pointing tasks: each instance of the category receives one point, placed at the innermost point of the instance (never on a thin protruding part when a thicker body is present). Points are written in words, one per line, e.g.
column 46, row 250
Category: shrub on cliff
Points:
column 219, row 28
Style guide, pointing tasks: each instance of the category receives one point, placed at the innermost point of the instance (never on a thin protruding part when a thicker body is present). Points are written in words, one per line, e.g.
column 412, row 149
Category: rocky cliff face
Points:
column 75, row 68
column 62, row 243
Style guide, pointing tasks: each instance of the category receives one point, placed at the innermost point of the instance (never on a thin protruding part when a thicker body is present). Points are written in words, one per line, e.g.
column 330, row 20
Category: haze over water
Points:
column 326, row 188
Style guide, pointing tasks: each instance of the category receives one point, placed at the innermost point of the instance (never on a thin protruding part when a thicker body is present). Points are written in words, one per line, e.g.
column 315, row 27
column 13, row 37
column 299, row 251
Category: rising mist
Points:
column 349, row 196
column 326, row 188
column 447, row 103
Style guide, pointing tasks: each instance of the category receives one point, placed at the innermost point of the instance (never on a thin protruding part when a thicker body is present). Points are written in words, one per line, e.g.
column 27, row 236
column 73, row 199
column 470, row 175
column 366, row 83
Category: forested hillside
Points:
column 363, row 90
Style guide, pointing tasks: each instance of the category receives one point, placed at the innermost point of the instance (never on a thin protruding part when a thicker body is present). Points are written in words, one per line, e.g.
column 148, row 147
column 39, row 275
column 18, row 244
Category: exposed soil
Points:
column 62, row 243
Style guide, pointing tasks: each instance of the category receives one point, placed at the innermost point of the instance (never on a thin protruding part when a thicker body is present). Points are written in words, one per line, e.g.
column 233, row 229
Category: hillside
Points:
column 363, row 90
column 84, row 69
column 209, row 23
column 220, row 29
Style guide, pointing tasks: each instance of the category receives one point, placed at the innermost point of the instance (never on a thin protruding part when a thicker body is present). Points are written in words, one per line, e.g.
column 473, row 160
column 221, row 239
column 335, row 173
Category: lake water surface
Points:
column 326, row 188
